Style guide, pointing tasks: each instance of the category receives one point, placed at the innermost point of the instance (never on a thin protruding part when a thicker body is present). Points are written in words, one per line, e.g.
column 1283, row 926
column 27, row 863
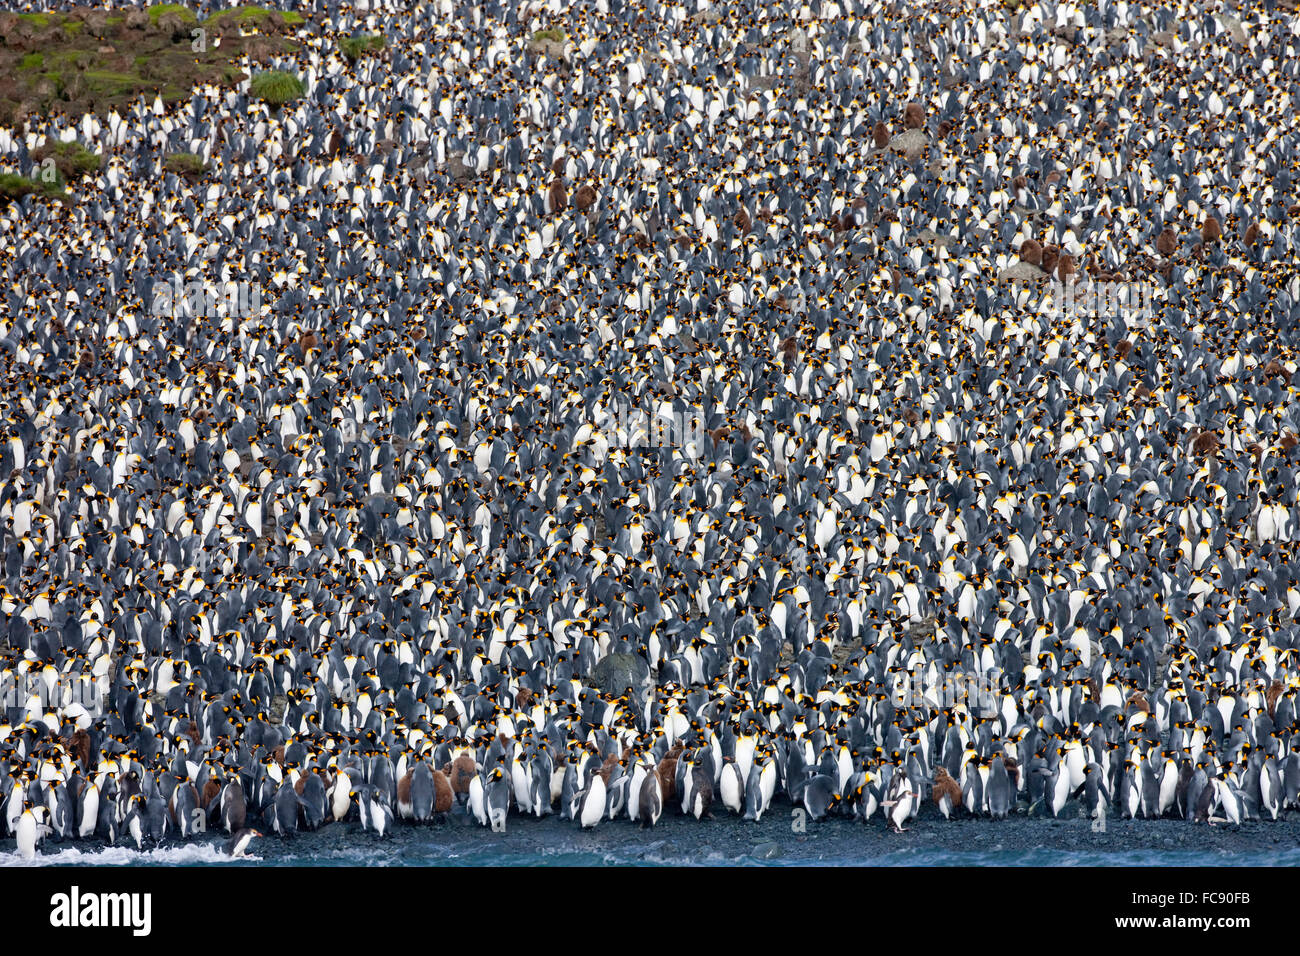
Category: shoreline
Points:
column 726, row 840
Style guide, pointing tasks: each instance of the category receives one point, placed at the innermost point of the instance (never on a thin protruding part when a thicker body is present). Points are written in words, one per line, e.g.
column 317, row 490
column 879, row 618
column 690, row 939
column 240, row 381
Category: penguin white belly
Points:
column 476, row 806
column 593, row 806
column 342, row 800
column 732, row 792
column 27, row 835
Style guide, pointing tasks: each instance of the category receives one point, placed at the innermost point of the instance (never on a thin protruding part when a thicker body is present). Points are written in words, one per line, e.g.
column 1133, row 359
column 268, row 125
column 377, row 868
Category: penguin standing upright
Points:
column 973, row 797
column 1270, row 788
column 701, row 791
column 381, row 814
column 340, row 796
column 898, row 800
column 731, row 788
column 999, row 791
column 283, row 810
column 650, row 803
column 496, row 798
column 31, row 831
column 87, row 810
column 1058, row 786
column 421, row 792
column 869, row 796
column 591, row 803
column 945, row 793
column 1095, row 796
column 753, row 795
column 477, row 801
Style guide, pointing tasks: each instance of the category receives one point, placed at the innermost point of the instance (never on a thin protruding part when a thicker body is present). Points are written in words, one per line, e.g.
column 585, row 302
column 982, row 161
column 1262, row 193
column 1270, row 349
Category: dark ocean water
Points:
column 727, row 841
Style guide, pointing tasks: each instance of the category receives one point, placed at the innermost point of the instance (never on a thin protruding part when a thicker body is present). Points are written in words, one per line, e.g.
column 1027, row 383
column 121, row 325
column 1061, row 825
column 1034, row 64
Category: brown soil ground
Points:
column 91, row 60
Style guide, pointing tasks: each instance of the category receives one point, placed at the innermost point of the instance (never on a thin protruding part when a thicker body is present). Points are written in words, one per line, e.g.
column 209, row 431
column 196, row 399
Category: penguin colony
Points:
column 371, row 552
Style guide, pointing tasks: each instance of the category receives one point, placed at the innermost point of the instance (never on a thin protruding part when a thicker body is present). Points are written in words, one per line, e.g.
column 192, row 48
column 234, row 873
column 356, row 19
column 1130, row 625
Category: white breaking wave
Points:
column 187, row 855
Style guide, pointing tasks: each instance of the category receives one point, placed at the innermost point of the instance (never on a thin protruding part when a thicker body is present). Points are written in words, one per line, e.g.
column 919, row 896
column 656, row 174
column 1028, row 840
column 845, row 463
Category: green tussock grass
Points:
column 13, row 187
column 556, row 35
column 354, row 47
column 277, row 87
column 158, row 11
column 253, row 12
column 72, row 159
column 184, row 164
column 108, row 82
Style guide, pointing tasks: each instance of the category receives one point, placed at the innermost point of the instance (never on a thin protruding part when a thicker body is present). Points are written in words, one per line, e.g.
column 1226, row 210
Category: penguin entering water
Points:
column 237, row 845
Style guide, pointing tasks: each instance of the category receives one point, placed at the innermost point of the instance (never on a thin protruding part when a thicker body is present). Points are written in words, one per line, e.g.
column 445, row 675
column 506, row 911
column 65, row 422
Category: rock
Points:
column 911, row 143
column 458, row 169
column 1021, row 272
column 97, row 24
column 553, row 49
column 767, row 851
column 619, row 672
column 1233, row 26
column 929, row 235
column 171, row 23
